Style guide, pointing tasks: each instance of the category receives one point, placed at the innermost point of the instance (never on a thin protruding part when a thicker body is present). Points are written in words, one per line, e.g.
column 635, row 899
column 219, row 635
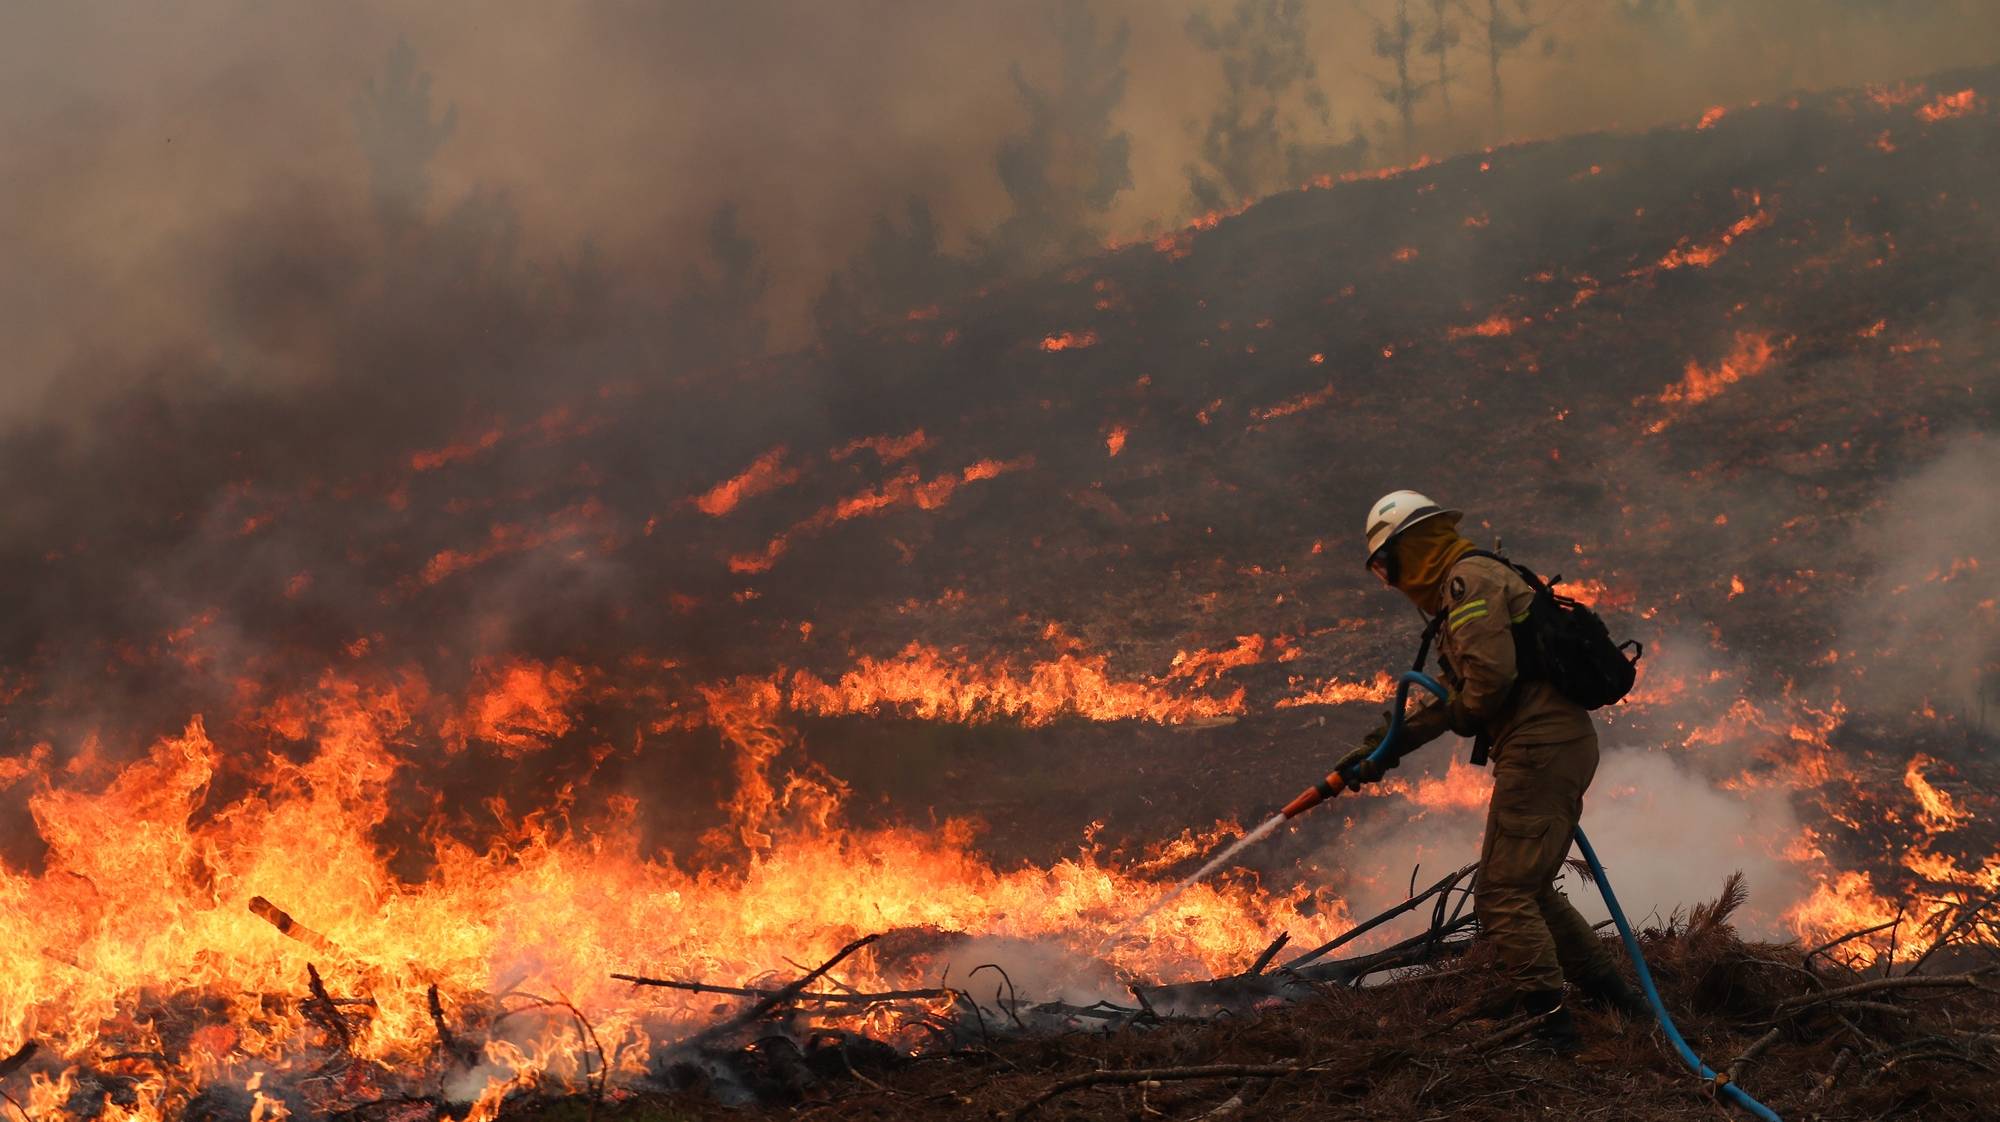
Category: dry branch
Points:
column 287, row 926
column 328, row 1013
column 1849, row 937
column 21, row 1056
column 1877, row 985
column 782, row 996
column 1142, row 1075
column 1360, row 929
column 855, row 998
column 1736, row 1065
column 1270, row 953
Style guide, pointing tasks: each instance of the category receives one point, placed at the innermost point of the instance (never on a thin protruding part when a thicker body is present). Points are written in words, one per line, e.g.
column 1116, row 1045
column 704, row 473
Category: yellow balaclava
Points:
column 1424, row 554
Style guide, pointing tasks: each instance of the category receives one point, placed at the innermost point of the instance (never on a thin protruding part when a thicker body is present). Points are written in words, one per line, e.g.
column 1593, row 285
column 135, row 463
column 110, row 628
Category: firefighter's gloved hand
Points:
column 1357, row 769
column 1375, row 735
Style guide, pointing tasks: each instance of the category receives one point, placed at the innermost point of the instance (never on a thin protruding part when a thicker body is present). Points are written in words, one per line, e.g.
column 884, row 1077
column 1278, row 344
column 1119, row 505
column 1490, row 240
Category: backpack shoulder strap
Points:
column 1430, row 634
column 1535, row 582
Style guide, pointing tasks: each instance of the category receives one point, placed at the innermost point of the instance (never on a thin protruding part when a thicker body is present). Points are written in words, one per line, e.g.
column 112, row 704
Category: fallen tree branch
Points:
column 1876, row 985
column 1735, row 1068
column 19, row 1059
column 784, row 995
column 329, row 1013
column 1129, row 1076
column 1270, row 953
column 1418, row 948
column 818, row 995
column 1372, row 923
column 291, row 928
column 1849, row 937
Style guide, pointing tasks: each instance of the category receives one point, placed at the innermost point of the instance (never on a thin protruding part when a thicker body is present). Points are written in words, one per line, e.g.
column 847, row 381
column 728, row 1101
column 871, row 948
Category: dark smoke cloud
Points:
column 139, row 143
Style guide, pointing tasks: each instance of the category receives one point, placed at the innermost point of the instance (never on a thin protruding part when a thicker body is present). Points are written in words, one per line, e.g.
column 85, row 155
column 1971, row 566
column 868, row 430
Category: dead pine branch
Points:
column 1145, row 1075
column 325, row 1011
column 1270, row 953
column 1736, row 1065
column 1013, row 999
column 782, row 996
column 19, row 1059
column 1967, row 915
column 1444, row 884
column 1848, row 938
column 855, row 998
column 1832, row 1076
column 287, row 926
column 1878, row 985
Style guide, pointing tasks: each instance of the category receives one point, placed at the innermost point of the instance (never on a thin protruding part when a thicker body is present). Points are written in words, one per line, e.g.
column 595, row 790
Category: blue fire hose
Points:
column 1335, row 782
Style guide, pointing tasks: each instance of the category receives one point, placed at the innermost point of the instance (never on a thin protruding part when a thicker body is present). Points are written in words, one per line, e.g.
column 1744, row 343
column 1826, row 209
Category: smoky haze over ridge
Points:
column 144, row 151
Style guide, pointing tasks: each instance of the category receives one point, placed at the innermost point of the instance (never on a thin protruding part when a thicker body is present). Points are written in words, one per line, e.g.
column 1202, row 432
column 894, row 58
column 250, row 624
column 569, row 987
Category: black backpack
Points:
column 1564, row 643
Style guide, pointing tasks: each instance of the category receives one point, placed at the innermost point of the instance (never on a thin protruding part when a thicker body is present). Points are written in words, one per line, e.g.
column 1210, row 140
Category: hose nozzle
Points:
column 1314, row 795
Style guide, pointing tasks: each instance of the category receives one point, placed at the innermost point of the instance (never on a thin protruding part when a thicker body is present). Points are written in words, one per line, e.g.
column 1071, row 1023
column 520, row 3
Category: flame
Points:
column 1114, row 440
column 159, row 884
column 1492, row 327
column 1069, row 340
column 1946, row 106
column 1750, row 356
column 1205, row 666
column 1463, row 787
column 521, row 706
column 1593, row 593
column 1708, row 120
column 906, row 489
column 1333, row 691
column 509, row 537
column 1847, row 903
column 887, row 449
column 1299, row 404
column 925, row 683
column 765, row 474
column 1938, row 811
column 1702, row 255
column 1900, row 94
column 451, row 454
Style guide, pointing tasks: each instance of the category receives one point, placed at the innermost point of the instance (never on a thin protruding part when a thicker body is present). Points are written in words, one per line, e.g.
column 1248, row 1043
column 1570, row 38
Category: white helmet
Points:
column 1398, row 511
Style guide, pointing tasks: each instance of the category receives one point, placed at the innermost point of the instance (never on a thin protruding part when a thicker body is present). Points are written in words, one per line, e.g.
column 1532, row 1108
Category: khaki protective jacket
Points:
column 1483, row 600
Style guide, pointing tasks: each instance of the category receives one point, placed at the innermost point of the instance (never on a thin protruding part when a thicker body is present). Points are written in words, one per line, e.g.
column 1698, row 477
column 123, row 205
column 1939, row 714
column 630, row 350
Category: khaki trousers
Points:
column 1537, row 800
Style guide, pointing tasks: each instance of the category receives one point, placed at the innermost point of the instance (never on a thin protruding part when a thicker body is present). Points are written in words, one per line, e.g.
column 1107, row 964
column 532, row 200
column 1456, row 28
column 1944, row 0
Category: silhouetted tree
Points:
column 1071, row 163
column 399, row 137
column 899, row 268
column 1251, row 144
column 1393, row 42
column 1506, row 26
column 1439, row 39
column 717, row 317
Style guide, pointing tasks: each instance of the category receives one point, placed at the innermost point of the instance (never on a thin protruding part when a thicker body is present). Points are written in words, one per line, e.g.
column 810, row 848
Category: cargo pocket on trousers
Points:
column 1521, row 851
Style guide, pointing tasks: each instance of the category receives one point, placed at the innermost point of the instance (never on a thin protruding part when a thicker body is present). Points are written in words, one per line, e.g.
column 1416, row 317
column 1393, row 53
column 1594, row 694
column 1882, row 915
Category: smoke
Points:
column 1924, row 623
column 1668, row 837
column 1666, row 833
column 136, row 149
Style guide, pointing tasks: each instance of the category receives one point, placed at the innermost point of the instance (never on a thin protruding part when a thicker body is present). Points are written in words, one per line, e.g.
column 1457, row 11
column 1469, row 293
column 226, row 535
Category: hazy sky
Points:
column 140, row 143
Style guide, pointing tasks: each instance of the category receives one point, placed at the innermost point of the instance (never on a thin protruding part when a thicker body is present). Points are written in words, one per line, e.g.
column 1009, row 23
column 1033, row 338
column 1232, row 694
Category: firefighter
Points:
column 1542, row 745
